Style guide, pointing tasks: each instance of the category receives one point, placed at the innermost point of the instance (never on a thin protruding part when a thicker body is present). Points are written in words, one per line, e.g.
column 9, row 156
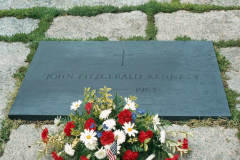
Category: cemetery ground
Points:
column 22, row 27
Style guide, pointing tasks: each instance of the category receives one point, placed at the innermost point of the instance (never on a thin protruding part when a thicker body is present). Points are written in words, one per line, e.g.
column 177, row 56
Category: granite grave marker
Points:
column 178, row 80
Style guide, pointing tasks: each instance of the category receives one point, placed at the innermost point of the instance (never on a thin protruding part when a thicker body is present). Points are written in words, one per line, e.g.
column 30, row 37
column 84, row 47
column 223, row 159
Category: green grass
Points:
column 183, row 38
column 46, row 16
column 223, row 63
column 135, row 38
column 20, row 74
column 229, row 43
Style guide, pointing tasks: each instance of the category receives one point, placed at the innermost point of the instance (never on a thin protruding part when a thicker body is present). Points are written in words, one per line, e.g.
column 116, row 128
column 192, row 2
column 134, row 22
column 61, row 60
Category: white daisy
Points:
column 88, row 136
column 101, row 153
column 156, row 121
column 120, row 136
column 105, row 113
column 128, row 129
column 162, row 136
column 129, row 104
column 118, row 149
column 91, row 146
column 76, row 105
column 57, row 121
column 109, row 124
column 68, row 149
column 151, row 157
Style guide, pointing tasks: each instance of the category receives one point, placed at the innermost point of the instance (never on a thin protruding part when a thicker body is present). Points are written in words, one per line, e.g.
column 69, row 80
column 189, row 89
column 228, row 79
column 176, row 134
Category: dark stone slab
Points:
column 177, row 80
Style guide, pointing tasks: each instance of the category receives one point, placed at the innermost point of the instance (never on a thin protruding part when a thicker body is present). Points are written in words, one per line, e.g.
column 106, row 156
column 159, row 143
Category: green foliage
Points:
column 99, row 38
column 183, row 38
column 223, row 63
column 81, row 150
column 35, row 12
column 151, row 29
column 118, row 101
column 134, row 38
column 20, row 37
column 19, row 75
column 46, row 15
column 143, row 124
column 176, row 1
column 154, row 7
column 5, row 132
column 229, row 43
column 231, row 97
column 33, row 47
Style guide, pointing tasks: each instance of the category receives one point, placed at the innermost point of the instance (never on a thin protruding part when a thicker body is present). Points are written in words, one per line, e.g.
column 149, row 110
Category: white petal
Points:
column 151, row 157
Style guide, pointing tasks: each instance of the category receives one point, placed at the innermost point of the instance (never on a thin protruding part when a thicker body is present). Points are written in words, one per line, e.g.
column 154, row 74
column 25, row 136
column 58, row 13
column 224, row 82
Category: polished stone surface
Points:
column 177, row 80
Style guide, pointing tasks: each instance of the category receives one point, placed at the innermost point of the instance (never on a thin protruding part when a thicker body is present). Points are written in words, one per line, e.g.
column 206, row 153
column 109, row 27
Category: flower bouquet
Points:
column 105, row 128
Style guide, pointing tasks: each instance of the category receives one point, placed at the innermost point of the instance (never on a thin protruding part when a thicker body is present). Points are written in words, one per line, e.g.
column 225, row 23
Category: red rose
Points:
column 84, row 158
column 68, row 128
column 174, row 158
column 88, row 107
column 45, row 135
column 90, row 124
column 150, row 133
column 124, row 116
column 129, row 155
column 55, row 156
column 142, row 136
column 107, row 138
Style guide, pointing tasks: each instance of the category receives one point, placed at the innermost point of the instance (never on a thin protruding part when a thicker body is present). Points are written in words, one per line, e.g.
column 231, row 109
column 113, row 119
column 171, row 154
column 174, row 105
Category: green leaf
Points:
column 147, row 140
column 89, row 156
column 100, row 127
column 117, row 100
column 145, row 147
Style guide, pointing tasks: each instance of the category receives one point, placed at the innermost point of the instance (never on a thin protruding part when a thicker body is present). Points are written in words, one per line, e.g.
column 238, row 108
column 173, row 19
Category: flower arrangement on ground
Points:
column 105, row 128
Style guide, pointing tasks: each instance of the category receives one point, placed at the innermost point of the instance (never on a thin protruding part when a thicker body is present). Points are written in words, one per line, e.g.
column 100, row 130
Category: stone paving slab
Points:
column 233, row 55
column 11, row 25
column 109, row 25
column 12, row 56
column 212, row 143
column 66, row 4
column 22, row 143
column 214, row 25
column 214, row 2
column 207, row 143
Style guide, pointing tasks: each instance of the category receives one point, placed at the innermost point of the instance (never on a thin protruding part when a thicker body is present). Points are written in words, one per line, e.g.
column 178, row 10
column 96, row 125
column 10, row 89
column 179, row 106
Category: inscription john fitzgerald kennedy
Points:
column 52, row 76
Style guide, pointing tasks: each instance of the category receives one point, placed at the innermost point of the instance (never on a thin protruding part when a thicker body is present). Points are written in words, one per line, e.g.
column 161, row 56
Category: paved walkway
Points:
column 208, row 142
column 65, row 4
column 212, row 143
